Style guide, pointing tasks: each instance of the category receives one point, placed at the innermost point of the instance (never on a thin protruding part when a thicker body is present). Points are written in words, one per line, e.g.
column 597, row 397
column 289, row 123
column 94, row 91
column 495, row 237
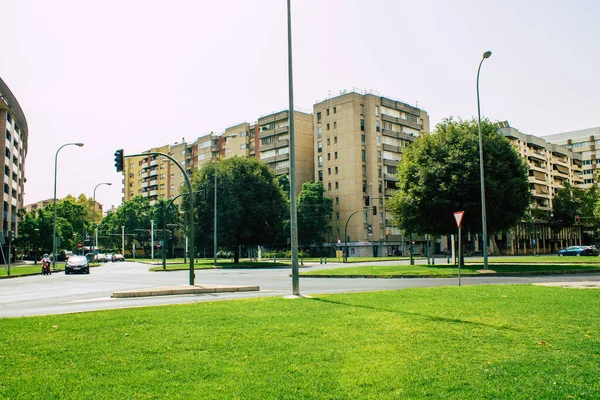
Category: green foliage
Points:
column 475, row 342
column 251, row 204
column 439, row 174
column 284, row 254
column 565, row 206
column 314, row 211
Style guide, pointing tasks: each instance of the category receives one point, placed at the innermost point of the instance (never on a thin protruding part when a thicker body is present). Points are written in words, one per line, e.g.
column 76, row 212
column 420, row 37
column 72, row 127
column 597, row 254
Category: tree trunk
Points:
column 236, row 255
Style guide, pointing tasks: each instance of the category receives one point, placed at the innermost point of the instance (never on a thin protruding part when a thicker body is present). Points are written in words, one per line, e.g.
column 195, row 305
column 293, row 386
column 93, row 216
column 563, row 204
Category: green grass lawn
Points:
column 442, row 270
column 487, row 342
column 536, row 259
column 32, row 269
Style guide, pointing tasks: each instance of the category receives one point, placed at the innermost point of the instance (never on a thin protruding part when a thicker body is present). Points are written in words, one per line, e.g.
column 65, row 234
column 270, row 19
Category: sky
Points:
column 137, row 74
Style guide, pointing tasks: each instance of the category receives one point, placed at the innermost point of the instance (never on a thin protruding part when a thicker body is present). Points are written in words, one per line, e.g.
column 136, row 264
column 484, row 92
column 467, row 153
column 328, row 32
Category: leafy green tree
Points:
column 314, row 210
column 135, row 215
column 566, row 204
column 439, row 174
column 251, row 204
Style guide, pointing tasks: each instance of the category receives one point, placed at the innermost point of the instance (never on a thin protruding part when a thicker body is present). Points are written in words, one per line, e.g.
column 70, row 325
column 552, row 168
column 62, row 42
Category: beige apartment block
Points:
column 13, row 126
column 359, row 138
column 147, row 175
column 585, row 142
column 551, row 166
column 184, row 154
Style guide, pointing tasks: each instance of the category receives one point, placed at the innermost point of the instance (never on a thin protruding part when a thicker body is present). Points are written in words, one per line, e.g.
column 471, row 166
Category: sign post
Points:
column 458, row 216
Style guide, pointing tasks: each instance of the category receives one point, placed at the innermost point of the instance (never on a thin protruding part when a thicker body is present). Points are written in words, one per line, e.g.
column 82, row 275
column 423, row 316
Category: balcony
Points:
column 153, row 163
column 144, row 165
column 154, row 183
column 144, row 175
column 396, row 105
column 153, row 193
column 390, row 147
column 281, row 157
column 401, row 121
column 391, row 163
column 282, row 171
column 282, row 129
column 153, row 172
column 266, row 133
column 536, row 154
column 398, row 135
column 389, row 177
column 144, row 184
column 273, row 117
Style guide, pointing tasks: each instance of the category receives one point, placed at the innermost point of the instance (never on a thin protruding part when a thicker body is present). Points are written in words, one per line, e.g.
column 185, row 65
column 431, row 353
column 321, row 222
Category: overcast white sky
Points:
column 135, row 74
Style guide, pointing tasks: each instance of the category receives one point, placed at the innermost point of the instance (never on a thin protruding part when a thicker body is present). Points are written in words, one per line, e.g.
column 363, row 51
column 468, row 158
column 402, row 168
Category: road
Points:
column 60, row 293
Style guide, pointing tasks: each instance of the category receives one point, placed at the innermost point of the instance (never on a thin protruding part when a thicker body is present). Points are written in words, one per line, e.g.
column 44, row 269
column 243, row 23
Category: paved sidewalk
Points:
column 573, row 285
column 183, row 289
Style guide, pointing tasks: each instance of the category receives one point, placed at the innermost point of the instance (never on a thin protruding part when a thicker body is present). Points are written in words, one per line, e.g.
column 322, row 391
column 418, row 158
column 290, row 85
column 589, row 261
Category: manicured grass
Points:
column 536, row 259
column 487, row 342
column 16, row 270
column 220, row 264
column 446, row 270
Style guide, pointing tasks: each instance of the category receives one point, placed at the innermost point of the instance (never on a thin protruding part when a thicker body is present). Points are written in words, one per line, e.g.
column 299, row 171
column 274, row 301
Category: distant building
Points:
column 13, row 126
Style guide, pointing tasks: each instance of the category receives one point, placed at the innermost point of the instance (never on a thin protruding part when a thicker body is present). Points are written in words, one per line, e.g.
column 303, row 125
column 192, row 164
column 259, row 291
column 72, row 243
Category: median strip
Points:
column 183, row 289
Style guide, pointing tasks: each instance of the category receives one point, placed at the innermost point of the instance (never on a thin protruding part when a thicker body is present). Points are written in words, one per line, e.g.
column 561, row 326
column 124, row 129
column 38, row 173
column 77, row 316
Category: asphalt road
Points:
column 60, row 293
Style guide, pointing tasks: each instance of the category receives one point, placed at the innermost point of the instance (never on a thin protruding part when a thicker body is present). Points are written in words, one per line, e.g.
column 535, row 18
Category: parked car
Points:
column 118, row 257
column 101, row 257
column 77, row 264
column 579, row 251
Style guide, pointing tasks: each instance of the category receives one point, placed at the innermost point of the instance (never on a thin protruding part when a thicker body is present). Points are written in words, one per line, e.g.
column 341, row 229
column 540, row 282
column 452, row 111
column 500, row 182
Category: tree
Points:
column 251, row 204
column 565, row 206
column 439, row 174
column 314, row 210
column 134, row 215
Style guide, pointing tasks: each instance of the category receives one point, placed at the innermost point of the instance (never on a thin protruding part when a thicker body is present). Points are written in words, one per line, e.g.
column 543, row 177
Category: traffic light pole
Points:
column 189, row 186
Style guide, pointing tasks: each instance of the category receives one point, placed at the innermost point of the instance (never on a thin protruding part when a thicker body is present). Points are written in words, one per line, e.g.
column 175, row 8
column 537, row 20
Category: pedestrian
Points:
column 46, row 265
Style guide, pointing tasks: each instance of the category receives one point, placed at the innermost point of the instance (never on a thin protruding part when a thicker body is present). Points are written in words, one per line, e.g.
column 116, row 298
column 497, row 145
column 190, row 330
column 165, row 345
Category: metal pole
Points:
column 94, row 212
column 164, row 256
column 152, row 239
column 215, row 216
column 293, row 205
column 123, row 240
column 54, row 202
column 459, row 253
column 10, row 236
column 487, row 54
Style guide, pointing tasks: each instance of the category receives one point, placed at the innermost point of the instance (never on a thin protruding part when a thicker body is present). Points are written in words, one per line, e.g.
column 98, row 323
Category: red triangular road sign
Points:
column 458, row 216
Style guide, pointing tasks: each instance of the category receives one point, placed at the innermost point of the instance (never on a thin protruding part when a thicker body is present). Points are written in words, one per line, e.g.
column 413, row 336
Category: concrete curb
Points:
column 183, row 289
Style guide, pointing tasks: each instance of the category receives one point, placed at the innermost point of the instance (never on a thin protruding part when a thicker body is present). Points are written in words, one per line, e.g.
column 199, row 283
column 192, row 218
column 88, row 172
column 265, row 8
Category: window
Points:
column 161, row 176
column 364, row 183
column 362, row 125
column 328, row 126
column 6, row 170
column 380, row 187
column 391, row 170
column 335, row 140
column 6, row 188
column 334, row 110
column 328, row 171
column 412, row 118
column 364, row 155
column 362, row 109
column 377, row 126
column 335, row 155
column 334, row 124
column 319, row 116
column 378, row 155
column 337, row 185
column 328, row 156
column 131, row 165
column 377, row 111
column 337, row 200
column 329, row 186
column 8, row 135
column 319, row 147
column 363, row 138
column 336, row 170
column 364, row 170
column 328, row 111
column 320, row 175
column 328, row 141
column 337, row 216
column 379, row 171
column 319, row 131
column 378, row 140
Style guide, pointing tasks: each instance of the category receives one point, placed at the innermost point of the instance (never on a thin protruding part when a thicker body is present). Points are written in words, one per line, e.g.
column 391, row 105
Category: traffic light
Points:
column 119, row 160
column 367, row 201
column 577, row 219
column 374, row 210
column 369, row 230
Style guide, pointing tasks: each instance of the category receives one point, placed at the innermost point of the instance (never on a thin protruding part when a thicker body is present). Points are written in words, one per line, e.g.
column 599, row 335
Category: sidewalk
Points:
column 183, row 289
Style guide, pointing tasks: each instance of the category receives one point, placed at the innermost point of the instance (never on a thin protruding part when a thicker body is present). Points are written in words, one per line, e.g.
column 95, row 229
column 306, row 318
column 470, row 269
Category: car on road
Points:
column 118, row 257
column 579, row 251
column 77, row 264
column 101, row 257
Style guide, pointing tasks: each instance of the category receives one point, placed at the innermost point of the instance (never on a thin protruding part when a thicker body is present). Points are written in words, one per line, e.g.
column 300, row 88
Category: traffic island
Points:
column 183, row 289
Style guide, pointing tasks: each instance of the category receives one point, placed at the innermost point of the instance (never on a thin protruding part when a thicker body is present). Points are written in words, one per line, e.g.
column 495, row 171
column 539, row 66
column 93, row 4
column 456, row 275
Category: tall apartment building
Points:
column 585, row 142
column 358, row 141
column 147, row 176
column 551, row 166
column 14, row 140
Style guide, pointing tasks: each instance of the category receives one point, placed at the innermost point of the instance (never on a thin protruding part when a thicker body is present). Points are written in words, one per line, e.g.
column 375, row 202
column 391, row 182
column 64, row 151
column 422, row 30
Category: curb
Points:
column 184, row 289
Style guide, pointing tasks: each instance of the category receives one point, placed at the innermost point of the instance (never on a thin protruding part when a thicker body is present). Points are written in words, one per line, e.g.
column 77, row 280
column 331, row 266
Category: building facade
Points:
column 359, row 138
column 13, row 125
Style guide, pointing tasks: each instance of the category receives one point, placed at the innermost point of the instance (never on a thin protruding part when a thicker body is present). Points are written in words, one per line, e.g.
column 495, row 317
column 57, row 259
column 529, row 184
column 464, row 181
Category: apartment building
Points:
column 551, row 166
column 359, row 138
column 184, row 154
column 43, row 203
column 14, row 140
column 585, row 142
column 147, row 176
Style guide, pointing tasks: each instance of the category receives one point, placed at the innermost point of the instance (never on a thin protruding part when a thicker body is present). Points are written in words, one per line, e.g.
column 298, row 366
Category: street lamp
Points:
column 215, row 247
column 487, row 54
column 54, row 202
column 94, row 212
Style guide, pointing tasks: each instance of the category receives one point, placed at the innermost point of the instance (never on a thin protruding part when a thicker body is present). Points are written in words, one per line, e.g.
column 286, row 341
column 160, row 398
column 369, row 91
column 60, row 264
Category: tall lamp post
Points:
column 487, row 54
column 54, row 202
column 215, row 247
column 94, row 212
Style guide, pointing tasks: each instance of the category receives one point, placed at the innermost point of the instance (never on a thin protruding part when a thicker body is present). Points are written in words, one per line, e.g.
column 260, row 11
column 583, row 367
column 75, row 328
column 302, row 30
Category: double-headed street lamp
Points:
column 487, row 54
column 54, row 202
column 94, row 212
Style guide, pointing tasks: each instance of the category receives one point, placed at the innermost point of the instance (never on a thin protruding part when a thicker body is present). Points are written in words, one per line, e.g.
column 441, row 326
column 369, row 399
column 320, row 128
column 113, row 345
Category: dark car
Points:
column 77, row 264
column 579, row 251
column 118, row 257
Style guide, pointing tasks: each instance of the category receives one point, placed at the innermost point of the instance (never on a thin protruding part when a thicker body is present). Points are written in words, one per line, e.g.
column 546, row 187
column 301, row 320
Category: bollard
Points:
column 325, row 260
column 448, row 260
column 301, row 261
column 320, row 260
column 274, row 258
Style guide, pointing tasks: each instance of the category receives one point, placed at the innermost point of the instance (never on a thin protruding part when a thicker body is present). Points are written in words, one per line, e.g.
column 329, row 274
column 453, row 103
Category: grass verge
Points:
column 445, row 270
column 486, row 342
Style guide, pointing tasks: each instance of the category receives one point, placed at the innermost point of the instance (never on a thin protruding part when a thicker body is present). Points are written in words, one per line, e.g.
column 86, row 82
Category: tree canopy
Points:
column 250, row 203
column 439, row 174
column 314, row 210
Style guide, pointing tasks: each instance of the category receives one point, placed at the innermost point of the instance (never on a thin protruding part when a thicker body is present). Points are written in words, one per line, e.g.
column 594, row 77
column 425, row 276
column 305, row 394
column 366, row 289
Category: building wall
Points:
column 14, row 138
column 146, row 176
